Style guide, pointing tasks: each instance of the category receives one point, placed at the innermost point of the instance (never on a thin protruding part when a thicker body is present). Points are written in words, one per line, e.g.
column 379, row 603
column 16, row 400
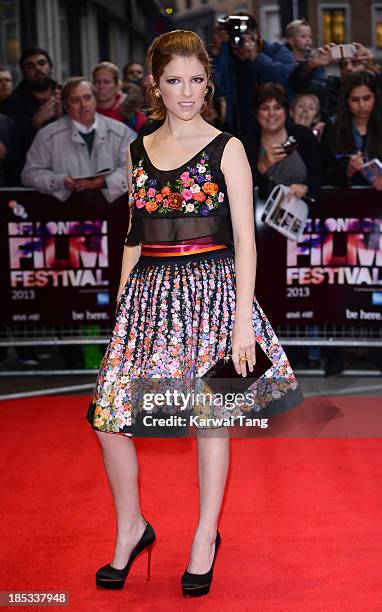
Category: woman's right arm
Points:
column 131, row 254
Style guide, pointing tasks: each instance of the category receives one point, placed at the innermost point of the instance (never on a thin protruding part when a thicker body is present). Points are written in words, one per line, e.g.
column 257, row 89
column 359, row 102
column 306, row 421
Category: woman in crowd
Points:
column 134, row 101
column 112, row 102
column 297, row 166
column 354, row 137
column 107, row 87
column 305, row 110
column 185, row 301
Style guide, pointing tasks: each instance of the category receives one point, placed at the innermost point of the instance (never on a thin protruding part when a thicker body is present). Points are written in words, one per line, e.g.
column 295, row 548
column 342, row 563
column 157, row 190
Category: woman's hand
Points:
column 243, row 343
column 119, row 295
column 273, row 155
column 355, row 164
column 298, row 190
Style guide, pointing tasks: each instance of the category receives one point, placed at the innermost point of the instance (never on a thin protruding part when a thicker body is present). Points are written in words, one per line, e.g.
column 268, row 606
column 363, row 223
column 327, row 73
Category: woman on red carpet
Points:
column 185, row 301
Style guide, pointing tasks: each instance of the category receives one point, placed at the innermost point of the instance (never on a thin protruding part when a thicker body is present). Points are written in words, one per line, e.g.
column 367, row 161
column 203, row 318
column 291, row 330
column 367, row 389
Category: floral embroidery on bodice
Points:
column 193, row 192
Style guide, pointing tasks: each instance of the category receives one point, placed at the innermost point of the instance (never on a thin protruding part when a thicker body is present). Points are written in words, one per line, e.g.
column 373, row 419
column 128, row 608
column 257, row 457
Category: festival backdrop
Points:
column 333, row 275
column 61, row 261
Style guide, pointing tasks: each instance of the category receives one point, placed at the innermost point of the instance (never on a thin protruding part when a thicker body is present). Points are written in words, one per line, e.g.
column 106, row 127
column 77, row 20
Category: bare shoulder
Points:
column 233, row 153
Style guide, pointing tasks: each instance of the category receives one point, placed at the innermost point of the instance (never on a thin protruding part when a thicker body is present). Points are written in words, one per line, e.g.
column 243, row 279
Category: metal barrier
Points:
column 296, row 335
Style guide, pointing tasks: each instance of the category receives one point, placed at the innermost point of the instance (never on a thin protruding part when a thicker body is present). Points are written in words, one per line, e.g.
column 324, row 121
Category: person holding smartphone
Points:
column 240, row 69
column 303, row 78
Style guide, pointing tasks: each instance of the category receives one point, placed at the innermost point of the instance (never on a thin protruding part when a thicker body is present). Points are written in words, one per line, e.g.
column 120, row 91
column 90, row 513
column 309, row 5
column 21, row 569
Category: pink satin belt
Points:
column 184, row 247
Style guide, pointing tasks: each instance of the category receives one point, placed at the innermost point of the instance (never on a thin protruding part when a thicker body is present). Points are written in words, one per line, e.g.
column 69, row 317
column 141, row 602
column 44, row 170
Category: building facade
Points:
column 331, row 20
column 79, row 33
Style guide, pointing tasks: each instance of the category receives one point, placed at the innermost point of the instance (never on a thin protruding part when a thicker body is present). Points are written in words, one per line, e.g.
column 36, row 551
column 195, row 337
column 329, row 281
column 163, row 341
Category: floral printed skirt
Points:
column 174, row 323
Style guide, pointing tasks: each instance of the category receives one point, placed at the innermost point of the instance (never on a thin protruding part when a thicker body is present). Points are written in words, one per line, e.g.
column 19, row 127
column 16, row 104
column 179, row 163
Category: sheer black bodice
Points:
column 181, row 204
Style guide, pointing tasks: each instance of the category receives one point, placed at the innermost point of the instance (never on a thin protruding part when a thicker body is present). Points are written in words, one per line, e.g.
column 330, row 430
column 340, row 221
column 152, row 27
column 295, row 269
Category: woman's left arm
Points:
column 238, row 178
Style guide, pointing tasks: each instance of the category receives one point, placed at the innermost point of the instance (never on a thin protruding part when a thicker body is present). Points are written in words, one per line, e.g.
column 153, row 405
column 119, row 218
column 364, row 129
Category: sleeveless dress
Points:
column 175, row 316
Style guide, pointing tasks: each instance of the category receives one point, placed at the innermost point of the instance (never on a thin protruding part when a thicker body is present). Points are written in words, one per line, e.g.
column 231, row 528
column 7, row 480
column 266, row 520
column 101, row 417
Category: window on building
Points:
column 270, row 23
column 188, row 4
column 377, row 27
column 334, row 24
column 10, row 46
column 64, row 41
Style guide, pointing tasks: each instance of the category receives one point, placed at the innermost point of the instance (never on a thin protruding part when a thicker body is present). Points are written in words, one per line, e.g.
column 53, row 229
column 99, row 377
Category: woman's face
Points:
column 182, row 87
column 305, row 111
column 105, row 86
column 271, row 116
column 361, row 102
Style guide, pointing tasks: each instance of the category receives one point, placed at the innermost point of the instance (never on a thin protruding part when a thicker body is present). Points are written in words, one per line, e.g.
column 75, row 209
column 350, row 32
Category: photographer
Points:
column 297, row 166
column 242, row 61
column 304, row 78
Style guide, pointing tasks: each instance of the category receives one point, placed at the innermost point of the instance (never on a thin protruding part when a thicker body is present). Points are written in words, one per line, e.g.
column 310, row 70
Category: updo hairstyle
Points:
column 181, row 43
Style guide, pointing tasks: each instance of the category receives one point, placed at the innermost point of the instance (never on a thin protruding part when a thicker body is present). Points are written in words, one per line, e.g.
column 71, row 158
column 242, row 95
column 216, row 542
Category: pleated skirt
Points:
column 174, row 323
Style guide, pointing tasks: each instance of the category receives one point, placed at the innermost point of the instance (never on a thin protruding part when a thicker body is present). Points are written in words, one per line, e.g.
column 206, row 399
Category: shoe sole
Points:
column 110, row 584
column 196, row 591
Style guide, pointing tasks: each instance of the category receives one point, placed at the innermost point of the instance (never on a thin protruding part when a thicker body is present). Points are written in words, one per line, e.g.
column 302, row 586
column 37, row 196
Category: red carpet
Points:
column 301, row 524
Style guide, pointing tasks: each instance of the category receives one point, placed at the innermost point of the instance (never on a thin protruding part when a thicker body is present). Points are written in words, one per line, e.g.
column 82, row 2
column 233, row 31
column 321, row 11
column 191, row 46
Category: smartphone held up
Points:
column 339, row 52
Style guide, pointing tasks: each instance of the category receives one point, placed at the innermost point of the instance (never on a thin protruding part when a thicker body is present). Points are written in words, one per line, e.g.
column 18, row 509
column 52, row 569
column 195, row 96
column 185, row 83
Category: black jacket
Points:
column 336, row 169
column 7, row 138
column 21, row 106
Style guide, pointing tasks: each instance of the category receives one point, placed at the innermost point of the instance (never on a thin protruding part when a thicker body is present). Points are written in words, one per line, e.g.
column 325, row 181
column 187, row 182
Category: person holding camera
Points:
column 242, row 60
column 355, row 136
column 351, row 58
column 283, row 153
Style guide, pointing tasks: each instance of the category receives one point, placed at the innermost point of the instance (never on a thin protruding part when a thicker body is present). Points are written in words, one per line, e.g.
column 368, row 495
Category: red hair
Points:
column 181, row 43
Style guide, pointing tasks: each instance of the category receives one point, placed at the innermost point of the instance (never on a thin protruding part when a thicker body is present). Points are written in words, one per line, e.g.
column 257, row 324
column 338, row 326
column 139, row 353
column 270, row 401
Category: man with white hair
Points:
column 70, row 154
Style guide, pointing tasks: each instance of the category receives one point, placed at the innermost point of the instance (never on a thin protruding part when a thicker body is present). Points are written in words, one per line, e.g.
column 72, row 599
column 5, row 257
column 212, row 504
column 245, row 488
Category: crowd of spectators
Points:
column 57, row 138
column 63, row 138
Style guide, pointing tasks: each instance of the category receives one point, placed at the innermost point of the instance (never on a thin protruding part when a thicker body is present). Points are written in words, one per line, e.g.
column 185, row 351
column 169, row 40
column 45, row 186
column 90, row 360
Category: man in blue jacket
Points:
column 238, row 71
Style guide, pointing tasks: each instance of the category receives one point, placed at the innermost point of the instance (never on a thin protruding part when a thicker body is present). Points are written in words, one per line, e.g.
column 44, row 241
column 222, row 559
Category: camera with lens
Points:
column 289, row 145
column 236, row 27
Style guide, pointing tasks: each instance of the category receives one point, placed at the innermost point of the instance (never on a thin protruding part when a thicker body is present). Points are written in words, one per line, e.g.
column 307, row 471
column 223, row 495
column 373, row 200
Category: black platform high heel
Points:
column 111, row 578
column 199, row 584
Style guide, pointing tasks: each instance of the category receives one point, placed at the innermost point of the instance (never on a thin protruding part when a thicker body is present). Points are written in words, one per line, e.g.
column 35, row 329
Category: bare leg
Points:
column 121, row 465
column 213, row 462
